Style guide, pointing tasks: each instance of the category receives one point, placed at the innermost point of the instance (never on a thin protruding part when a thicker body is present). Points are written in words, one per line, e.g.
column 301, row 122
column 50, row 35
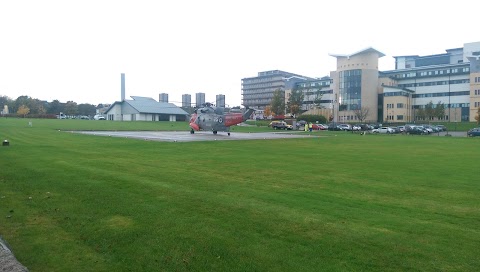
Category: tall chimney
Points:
column 123, row 86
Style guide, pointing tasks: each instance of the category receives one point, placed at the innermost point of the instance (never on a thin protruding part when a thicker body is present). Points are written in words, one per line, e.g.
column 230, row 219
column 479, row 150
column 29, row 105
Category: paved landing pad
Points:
column 185, row 136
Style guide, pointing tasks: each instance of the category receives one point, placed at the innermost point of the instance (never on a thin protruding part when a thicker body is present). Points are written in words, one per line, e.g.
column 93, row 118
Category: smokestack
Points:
column 123, row 86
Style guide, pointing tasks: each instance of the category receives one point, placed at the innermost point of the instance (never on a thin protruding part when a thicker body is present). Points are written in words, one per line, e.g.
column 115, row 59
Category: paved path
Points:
column 452, row 133
column 8, row 261
column 185, row 136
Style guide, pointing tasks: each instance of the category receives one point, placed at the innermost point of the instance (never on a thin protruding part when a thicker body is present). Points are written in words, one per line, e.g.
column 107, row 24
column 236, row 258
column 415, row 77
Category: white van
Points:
column 98, row 117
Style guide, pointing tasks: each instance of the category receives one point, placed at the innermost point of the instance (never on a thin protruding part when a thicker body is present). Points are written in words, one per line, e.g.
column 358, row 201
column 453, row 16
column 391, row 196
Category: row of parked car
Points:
column 283, row 125
column 378, row 128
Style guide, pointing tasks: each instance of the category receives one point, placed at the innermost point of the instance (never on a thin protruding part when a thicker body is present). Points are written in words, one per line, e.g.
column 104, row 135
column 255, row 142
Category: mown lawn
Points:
column 73, row 202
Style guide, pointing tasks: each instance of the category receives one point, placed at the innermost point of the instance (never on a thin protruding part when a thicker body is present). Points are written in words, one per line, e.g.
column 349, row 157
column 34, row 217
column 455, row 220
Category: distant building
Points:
column 199, row 99
column 5, row 110
column 448, row 81
column 122, row 86
column 220, row 100
column 355, row 84
column 186, row 100
column 101, row 108
column 144, row 109
column 163, row 97
column 258, row 91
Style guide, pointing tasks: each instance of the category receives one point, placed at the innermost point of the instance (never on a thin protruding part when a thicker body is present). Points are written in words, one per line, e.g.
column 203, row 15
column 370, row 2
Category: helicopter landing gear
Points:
column 214, row 132
column 192, row 131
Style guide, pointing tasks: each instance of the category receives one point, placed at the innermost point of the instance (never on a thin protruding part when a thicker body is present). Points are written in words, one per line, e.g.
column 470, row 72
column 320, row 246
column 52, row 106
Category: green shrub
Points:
column 313, row 118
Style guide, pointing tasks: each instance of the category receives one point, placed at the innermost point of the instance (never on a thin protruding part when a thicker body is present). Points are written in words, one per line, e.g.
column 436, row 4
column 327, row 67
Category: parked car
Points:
column 418, row 130
column 280, row 125
column 98, row 117
column 345, row 127
column 386, row 130
column 333, row 127
column 442, row 127
column 301, row 123
column 319, row 127
column 473, row 132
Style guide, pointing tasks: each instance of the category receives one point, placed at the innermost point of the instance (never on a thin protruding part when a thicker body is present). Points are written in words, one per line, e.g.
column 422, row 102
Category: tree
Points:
column 278, row 102
column 71, row 108
column 267, row 111
column 478, row 116
column 294, row 104
column 429, row 110
column 41, row 109
column 22, row 100
column 55, row 107
column 23, row 110
column 361, row 113
column 4, row 100
column 86, row 109
column 439, row 111
column 421, row 114
column 318, row 99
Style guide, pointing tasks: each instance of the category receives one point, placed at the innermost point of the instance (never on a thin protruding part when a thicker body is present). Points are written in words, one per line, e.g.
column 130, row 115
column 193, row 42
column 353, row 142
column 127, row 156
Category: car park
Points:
column 473, row 132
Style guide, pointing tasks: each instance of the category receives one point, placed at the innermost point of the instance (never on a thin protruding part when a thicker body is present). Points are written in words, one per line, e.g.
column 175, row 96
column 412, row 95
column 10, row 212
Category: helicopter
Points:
column 211, row 118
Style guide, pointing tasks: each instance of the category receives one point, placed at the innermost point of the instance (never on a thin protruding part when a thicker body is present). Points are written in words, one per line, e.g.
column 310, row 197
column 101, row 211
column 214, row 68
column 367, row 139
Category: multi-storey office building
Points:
column 450, row 80
column 443, row 80
column 163, row 97
column 220, row 100
column 317, row 93
column 199, row 99
column 474, row 84
column 257, row 92
column 186, row 100
column 355, row 85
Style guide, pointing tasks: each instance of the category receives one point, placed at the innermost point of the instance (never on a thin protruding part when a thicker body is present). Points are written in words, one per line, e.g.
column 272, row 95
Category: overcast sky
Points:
column 76, row 50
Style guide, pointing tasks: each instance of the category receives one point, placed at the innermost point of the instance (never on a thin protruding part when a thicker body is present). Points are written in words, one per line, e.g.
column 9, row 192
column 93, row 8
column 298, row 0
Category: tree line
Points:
column 24, row 105
column 294, row 102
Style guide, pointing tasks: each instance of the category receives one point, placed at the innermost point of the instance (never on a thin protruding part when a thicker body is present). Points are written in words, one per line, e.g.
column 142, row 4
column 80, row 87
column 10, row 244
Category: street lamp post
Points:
column 449, row 105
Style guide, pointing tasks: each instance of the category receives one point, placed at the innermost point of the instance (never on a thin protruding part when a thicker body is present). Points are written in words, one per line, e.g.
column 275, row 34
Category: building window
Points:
column 400, row 105
column 399, row 117
column 350, row 90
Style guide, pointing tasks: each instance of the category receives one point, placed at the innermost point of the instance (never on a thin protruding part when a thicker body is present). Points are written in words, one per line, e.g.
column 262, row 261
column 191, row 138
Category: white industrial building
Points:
column 144, row 109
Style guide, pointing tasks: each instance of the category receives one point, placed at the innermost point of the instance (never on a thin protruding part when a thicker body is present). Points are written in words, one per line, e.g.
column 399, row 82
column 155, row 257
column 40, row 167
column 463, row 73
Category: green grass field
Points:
column 73, row 202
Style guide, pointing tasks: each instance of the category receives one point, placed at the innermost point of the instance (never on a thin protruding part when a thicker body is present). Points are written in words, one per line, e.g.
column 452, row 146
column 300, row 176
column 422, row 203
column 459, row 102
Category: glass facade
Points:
column 350, row 90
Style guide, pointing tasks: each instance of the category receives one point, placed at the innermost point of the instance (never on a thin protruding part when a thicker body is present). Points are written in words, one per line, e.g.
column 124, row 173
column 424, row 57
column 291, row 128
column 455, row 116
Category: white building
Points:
column 144, row 109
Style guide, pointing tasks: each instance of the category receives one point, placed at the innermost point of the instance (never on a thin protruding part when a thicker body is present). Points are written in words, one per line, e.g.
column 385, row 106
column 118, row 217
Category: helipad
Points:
column 185, row 136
